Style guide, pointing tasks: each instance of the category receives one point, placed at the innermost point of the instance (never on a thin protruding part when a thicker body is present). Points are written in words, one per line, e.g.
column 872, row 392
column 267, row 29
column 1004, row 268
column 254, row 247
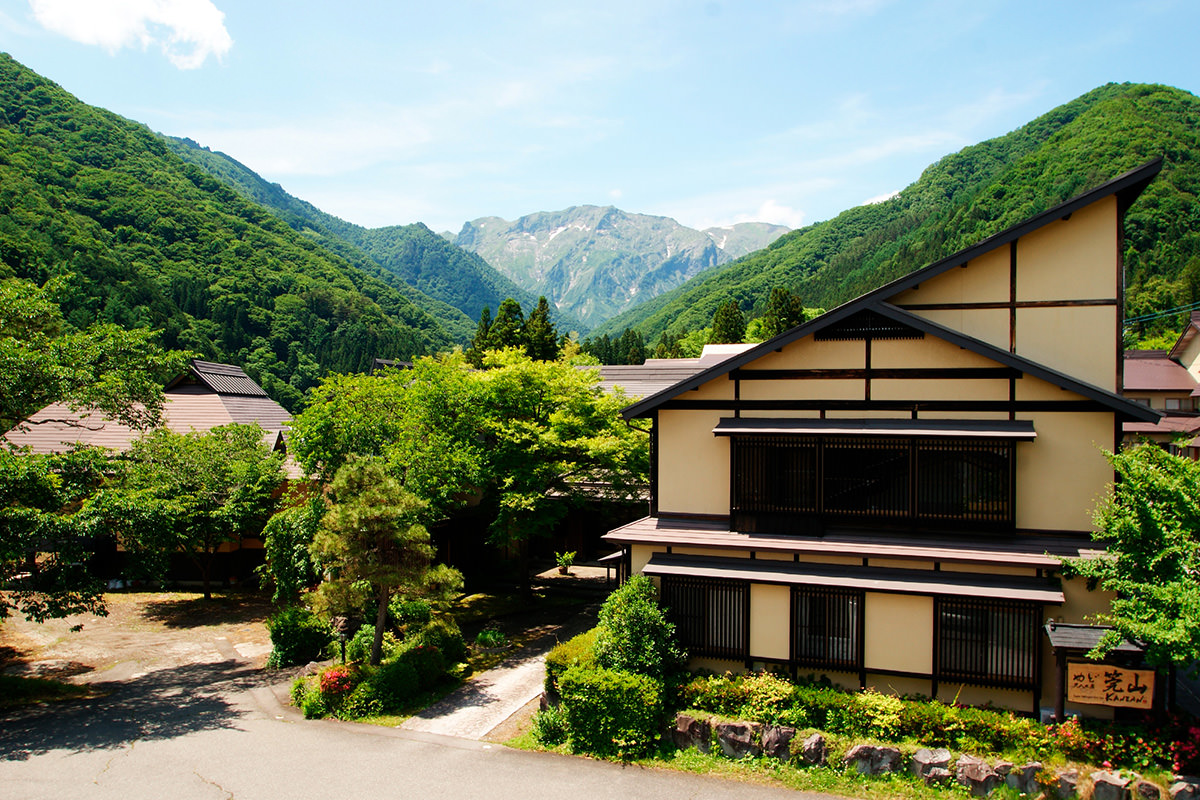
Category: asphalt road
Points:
column 218, row 731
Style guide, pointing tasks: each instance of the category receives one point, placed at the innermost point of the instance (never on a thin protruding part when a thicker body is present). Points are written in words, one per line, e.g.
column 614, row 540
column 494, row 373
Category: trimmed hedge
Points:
column 611, row 713
column 578, row 651
column 298, row 636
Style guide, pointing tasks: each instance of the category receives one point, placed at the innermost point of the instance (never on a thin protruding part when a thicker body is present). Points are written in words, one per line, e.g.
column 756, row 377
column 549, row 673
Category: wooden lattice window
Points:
column 799, row 484
column 711, row 616
column 827, row 627
column 988, row 642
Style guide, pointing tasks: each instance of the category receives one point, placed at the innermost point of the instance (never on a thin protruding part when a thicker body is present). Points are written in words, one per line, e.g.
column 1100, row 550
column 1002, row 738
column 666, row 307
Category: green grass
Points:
column 16, row 691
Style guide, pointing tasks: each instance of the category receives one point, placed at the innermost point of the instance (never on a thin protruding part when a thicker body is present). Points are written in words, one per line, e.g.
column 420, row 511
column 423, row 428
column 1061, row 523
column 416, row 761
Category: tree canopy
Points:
column 191, row 493
column 371, row 536
column 1148, row 528
column 524, row 437
column 728, row 324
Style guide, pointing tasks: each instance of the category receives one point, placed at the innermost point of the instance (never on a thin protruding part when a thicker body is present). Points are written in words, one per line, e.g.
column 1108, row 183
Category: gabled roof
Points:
column 222, row 379
column 1126, row 187
column 1189, row 333
column 191, row 403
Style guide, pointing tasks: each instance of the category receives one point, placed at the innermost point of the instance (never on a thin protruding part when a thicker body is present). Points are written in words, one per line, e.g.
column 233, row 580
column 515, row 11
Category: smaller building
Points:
column 1168, row 381
column 207, row 396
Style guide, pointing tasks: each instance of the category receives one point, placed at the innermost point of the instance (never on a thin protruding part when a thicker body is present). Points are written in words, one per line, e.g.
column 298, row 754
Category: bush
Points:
column 610, row 712
column 578, row 651
column 307, row 697
column 395, row 683
column 364, row 701
column 297, row 637
column 359, row 647
column 427, row 662
column 634, row 634
column 550, row 726
column 405, row 613
column 444, row 634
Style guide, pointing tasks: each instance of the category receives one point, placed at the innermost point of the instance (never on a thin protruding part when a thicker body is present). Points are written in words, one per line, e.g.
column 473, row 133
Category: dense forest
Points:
column 977, row 192
column 413, row 257
column 150, row 241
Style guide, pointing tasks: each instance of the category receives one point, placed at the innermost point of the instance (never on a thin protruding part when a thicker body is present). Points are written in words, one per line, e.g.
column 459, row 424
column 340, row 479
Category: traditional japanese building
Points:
column 885, row 494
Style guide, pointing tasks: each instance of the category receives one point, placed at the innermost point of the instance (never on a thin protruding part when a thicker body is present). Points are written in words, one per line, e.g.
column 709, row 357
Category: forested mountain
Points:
column 150, row 241
column 597, row 261
column 979, row 191
column 417, row 261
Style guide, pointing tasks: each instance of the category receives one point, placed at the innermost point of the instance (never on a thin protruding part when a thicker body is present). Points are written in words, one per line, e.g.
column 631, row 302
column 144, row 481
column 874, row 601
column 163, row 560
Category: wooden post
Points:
column 1060, row 686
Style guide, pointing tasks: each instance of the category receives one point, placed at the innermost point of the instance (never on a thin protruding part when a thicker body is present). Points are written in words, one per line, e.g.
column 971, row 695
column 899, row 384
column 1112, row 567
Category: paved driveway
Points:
column 218, row 731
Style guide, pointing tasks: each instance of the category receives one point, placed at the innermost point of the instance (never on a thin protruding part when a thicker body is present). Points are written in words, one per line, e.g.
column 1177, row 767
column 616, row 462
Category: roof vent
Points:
column 867, row 325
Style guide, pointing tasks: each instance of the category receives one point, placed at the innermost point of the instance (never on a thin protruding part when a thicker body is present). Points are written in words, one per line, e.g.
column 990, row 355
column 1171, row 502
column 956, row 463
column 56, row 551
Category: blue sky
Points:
column 709, row 112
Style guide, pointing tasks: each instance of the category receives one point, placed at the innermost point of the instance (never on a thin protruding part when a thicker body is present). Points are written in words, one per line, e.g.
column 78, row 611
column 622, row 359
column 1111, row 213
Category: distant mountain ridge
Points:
column 974, row 193
column 425, row 264
column 139, row 238
column 597, row 261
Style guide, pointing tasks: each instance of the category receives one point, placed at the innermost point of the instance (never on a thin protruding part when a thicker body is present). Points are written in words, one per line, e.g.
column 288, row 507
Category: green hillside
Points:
column 411, row 257
column 975, row 193
column 153, row 242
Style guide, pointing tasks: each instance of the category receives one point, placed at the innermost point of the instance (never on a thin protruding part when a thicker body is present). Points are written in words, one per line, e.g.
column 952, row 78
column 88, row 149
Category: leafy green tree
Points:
column 44, row 542
column 103, row 367
column 552, row 437
column 480, row 342
column 541, row 337
column 191, row 493
column 634, row 633
column 287, row 538
column 423, row 423
column 1151, row 560
column 371, row 537
column 784, row 311
column 728, row 325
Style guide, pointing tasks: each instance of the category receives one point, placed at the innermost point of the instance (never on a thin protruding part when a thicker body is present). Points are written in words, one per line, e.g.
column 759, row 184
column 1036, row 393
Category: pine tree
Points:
column 507, row 329
column 541, row 338
column 729, row 326
column 784, row 312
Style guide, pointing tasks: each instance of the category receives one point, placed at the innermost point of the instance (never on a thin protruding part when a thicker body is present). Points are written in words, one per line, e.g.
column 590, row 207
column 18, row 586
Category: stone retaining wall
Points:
column 736, row 739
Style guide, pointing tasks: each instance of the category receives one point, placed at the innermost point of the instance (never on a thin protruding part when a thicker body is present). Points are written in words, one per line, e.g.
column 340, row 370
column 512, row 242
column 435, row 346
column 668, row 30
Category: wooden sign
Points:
column 1106, row 685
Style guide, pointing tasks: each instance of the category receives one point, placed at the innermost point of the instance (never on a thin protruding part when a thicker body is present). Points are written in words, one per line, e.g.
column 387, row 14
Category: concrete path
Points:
column 488, row 699
column 219, row 732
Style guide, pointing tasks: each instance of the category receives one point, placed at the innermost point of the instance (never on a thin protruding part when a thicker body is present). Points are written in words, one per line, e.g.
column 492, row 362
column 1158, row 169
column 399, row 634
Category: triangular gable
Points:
column 1126, row 187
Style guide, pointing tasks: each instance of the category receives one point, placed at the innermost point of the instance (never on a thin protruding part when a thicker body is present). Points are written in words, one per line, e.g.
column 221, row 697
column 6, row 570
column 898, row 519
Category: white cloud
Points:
column 615, row 194
column 880, row 198
column 776, row 213
column 323, row 146
column 187, row 31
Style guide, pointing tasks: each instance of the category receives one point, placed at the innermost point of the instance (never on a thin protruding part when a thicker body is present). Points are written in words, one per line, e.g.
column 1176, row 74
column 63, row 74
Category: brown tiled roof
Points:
column 1171, row 424
column 226, row 379
column 189, row 406
column 1154, row 371
column 643, row 380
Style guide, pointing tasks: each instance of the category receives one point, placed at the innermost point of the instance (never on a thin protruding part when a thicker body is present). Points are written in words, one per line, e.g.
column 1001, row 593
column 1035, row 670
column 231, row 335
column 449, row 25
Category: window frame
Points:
column 976, row 653
column 702, row 615
column 847, row 623
column 902, row 497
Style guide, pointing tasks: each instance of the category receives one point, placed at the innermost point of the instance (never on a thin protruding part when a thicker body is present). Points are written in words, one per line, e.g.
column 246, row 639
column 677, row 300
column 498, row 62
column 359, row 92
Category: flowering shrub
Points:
column 1185, row 751
column 771, row 699
column 337, row 681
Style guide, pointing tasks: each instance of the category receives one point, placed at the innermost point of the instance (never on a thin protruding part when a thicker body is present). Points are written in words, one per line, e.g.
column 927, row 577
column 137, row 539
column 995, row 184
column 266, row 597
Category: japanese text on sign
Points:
column 1110, row 686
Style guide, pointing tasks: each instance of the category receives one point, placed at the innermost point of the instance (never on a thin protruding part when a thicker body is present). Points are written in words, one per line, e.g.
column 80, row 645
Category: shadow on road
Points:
column 159, row 705
column 190, row 612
